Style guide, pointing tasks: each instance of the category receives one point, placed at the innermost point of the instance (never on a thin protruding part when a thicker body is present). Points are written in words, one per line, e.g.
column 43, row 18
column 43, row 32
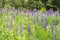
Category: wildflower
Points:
column 51, row 11
column 29, row 30
column 44, row 22
column 37, row 18
column 55, row 29
column 56, row 13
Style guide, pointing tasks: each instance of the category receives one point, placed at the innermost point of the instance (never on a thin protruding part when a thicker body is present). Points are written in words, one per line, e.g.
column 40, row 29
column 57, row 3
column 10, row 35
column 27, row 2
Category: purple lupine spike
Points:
column 46, row 13
column 44, row 24
column 29, row 30
column 28, row 17
column 36, row 18
column 30, row 11
column 25, row 11
column 56, row 13
column 49, row 12
column 35, row 10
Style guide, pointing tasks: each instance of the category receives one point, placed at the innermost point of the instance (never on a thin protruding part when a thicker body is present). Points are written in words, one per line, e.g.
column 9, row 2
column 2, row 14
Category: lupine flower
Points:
column 25, row 11
column 35, row 15
column 30, row 11
column 29, row 30
column 56, row 13
column 51, row 11
column 28, row 17
column 36, row 18
column 35, row 10
column 45, row 13
column 55, row 29
column 44, row 22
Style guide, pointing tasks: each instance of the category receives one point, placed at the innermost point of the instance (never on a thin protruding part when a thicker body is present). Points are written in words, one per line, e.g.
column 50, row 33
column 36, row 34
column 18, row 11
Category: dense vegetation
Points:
column 29, row 25
column 29, row 20
column 30, row 4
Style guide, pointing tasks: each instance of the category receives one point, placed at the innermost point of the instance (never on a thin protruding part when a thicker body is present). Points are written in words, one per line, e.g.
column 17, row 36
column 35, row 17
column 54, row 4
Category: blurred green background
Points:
column 30, row 4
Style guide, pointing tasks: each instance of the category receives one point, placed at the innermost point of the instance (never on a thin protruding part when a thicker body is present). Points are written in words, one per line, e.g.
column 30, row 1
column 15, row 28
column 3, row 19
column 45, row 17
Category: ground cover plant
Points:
column 29, row 25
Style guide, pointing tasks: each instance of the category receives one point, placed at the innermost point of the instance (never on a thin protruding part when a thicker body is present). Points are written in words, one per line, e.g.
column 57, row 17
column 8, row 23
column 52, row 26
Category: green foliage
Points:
column 29, row 4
